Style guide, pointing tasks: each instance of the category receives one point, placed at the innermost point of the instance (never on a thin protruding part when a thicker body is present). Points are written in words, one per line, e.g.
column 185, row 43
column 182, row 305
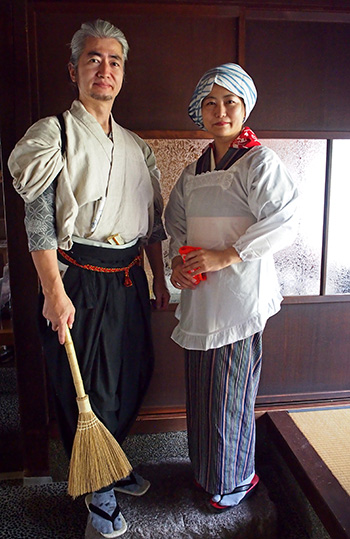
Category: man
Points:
column 90, row 204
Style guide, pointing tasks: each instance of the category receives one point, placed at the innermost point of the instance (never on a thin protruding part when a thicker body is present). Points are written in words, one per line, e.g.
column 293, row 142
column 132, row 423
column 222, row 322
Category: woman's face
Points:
column 223, row 113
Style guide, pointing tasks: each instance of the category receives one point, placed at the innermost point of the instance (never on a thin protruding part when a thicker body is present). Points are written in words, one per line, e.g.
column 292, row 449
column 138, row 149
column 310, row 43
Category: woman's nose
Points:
column 220, row 110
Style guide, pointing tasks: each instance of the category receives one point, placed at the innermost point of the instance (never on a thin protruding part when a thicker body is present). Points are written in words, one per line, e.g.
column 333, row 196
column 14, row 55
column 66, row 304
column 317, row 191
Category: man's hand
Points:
column 59, row 310
column 161, row 294
column 160, row 289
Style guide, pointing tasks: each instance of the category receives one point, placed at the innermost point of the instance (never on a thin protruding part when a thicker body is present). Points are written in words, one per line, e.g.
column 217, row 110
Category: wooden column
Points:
column 16, row 116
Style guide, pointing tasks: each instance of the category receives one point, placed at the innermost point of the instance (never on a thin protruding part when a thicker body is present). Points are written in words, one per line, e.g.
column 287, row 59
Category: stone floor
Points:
column 172, row 508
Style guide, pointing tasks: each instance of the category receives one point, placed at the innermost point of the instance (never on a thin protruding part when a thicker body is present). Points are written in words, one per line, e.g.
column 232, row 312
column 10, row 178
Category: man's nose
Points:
column 103, row 69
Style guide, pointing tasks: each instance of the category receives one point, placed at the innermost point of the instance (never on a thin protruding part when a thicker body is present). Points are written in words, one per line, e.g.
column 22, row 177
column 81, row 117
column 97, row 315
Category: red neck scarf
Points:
column 246, row 139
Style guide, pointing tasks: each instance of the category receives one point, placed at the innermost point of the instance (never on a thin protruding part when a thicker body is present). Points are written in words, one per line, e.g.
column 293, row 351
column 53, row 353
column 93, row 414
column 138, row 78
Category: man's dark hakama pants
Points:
column 112, row 339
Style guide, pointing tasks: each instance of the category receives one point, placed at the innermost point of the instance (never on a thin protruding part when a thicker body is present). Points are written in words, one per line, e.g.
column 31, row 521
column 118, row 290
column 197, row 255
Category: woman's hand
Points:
column 205, row 260
column 180, row 278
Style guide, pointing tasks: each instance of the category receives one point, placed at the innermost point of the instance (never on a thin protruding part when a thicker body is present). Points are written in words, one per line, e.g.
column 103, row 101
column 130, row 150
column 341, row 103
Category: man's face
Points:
column 100, row 71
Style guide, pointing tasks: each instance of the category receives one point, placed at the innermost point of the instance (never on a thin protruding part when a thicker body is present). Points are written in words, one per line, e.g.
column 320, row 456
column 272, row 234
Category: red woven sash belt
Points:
column 127, row 280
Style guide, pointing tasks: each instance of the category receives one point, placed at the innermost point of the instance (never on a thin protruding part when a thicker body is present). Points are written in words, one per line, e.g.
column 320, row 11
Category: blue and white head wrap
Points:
column 229, row 76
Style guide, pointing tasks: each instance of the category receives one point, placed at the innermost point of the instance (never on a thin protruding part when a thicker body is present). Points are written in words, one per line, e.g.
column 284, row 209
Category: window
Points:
column 338, row 252
column 299, row 266
column 324, row 204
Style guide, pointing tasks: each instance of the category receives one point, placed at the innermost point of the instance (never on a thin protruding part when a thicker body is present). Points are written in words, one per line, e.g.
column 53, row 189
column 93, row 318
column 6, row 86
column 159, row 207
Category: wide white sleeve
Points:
column 153, row 171
column 36, row 159
column 175, row 218
column 157, row 232
column 272, row 199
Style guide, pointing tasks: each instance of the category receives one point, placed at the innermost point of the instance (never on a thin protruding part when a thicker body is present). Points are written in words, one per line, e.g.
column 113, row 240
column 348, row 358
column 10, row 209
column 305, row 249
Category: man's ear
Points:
column 72, row 72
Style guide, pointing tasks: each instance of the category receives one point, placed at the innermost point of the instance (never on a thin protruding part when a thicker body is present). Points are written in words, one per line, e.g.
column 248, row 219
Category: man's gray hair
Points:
column 100, row 29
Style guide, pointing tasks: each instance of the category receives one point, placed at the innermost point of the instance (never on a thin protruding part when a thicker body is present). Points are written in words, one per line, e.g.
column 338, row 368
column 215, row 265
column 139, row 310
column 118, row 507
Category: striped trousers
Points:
column 221, row 388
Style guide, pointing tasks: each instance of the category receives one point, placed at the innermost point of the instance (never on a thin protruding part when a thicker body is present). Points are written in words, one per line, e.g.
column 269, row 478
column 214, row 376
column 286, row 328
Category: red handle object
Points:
column 188, row 249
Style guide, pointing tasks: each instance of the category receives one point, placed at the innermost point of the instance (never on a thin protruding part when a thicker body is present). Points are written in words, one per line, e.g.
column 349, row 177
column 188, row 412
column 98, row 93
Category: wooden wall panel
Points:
column 164, row 406
column 169, row 50
column 302, row 72
column 167, row 388
column 306, row 351
column 297, row 58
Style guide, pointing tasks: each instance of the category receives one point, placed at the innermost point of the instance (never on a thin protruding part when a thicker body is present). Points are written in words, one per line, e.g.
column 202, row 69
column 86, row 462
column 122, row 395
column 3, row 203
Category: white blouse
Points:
column 251, row 206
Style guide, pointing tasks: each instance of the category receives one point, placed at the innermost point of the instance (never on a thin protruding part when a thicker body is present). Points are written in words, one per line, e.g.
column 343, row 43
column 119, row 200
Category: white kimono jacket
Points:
column 250, row 206
column 122, row 171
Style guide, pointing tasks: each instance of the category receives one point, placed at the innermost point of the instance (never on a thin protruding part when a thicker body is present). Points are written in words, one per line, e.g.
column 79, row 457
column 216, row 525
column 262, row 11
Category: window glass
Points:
column 338, row 257
column 299, row 266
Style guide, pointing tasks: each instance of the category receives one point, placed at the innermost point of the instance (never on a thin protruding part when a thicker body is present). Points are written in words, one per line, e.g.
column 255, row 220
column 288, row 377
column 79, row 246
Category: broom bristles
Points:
column 97, row 459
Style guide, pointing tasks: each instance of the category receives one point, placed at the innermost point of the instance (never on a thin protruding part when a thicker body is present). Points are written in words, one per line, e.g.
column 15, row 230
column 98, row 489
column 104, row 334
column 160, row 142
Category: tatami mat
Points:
column 328, row 431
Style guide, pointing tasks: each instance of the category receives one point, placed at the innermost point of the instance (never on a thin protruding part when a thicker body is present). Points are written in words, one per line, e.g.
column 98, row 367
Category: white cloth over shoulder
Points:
column 122, row 170
column 251, row 206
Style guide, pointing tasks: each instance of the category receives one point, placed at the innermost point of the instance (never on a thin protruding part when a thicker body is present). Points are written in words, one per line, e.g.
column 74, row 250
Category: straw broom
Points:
column 97, row 459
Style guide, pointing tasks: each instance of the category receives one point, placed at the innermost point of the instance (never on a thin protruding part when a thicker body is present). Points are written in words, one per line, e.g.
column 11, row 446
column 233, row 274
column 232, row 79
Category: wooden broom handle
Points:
column 74, row 366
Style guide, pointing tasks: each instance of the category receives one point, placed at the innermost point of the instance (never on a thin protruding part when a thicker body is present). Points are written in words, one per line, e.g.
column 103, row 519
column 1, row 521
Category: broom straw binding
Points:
column 97, row 459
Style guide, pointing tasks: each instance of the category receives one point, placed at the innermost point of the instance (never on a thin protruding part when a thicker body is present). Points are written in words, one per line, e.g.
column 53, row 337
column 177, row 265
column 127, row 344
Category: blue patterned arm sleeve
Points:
column 40, row 221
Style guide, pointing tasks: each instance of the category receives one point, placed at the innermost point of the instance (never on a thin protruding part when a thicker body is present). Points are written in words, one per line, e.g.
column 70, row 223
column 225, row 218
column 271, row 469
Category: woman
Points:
column 236, row 203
